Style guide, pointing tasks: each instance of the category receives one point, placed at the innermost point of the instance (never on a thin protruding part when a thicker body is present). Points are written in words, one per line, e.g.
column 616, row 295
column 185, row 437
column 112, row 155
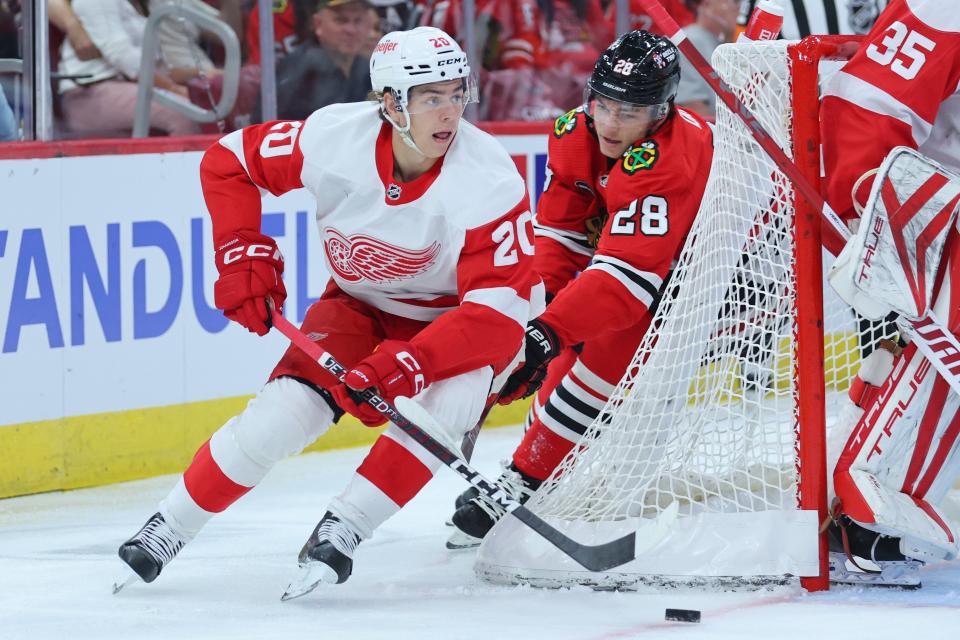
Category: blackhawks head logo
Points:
column 594, row 227
column 565, row 123
column 640, row 157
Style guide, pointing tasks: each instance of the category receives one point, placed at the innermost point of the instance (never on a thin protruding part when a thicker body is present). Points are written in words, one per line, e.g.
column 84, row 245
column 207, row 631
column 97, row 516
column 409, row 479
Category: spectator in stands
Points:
column 397, row 15
column 63, row 18
column 103, row 103
column 8, row 125
column 545, row 50
column 639, row 19
column 291, row 26
column 715, row 22
column 375, row 31
column 329, row 67
column 180, row 48
column 9, row 43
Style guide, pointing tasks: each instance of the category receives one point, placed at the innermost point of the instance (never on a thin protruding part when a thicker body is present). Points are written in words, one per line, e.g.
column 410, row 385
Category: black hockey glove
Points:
column 541, row 346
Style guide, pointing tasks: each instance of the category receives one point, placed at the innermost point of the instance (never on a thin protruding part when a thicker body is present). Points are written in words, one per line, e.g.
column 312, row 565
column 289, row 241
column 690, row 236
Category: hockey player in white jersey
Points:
column 426, row 231
column 897, row 451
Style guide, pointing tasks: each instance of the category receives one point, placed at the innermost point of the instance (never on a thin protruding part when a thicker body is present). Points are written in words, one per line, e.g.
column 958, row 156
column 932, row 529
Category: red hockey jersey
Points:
column 284, row 31
column 901, row 88
column 453, row 247
column 627, row 218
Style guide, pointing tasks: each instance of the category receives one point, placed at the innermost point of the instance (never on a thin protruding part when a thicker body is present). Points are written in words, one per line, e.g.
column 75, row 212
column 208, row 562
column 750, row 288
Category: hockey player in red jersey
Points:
column 902, row 437
column 427, row 234
column 626, row 174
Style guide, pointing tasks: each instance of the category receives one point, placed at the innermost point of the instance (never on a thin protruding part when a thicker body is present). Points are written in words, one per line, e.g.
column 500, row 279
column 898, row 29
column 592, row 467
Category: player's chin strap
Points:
column 404, row 131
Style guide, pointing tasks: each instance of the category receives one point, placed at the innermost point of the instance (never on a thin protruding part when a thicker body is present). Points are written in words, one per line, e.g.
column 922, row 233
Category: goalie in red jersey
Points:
column 626, row 173
column 426, row 232
column 890, row 124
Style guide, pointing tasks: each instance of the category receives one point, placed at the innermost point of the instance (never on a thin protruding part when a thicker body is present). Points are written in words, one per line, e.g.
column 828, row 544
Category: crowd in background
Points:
column 534, row 56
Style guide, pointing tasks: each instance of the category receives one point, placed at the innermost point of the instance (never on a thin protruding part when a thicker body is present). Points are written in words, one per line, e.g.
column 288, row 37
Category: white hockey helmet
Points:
column 405, row 59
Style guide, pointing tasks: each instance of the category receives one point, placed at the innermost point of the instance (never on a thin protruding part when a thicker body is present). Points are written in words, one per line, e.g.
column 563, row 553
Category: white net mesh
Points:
column 706, row 415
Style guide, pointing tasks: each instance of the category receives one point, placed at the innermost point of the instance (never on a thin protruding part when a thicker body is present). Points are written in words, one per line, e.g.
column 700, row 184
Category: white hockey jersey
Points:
column 455, row 244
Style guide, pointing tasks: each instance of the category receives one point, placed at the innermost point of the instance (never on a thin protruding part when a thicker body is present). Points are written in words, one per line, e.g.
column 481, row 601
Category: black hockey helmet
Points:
column 639, row 68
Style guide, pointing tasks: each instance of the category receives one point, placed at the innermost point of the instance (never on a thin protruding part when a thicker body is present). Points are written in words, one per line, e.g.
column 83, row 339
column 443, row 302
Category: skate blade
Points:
column 459, row 540
column 309, row 578
column 120, row 586
column 899, row 575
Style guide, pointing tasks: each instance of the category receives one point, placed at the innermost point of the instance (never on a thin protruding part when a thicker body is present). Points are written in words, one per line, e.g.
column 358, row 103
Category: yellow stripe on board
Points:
column 92, row 450
column 721, row 380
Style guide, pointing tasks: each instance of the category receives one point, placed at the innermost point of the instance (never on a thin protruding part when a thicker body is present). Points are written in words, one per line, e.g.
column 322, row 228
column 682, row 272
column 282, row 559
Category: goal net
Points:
column 712, row 445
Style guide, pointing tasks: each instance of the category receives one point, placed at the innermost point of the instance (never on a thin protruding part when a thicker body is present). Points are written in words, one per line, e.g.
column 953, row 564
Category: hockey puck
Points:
column 682, row 615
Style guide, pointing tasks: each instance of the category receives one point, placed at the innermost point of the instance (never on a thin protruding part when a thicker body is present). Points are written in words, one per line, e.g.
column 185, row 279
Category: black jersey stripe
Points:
column 576, row 402
column 555, row 413
column 634, row 277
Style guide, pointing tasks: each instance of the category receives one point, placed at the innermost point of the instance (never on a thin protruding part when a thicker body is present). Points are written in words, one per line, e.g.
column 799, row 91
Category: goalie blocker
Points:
column 901, row 456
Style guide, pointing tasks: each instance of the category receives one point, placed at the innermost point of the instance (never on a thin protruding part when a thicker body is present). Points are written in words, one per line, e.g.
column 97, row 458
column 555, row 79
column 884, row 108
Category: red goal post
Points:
column 805, row 58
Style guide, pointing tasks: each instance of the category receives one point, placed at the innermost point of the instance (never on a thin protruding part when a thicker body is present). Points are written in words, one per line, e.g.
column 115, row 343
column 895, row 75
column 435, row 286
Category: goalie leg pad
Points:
column 863, row 393
column 893, row 261
column 899, row 448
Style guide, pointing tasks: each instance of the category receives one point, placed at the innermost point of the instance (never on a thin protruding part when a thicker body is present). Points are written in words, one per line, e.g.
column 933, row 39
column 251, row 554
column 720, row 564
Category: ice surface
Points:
column 58, row 562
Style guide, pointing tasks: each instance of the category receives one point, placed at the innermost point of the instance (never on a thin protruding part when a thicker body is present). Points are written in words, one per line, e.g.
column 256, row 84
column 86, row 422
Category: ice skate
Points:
column 869, row 558
column 477, row 515
column 327, row 556
column 149, row 551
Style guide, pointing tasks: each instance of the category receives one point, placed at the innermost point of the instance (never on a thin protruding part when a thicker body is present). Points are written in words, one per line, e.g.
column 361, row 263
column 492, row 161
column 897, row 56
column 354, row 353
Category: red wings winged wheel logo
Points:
column 359, row 257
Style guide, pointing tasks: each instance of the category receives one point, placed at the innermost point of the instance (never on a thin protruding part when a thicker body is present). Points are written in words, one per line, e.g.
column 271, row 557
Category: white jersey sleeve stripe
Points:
column 655, row 281
column 638, row 287
column 566, row 233
column 503, row 300
column 867, row 96
column 572, row 245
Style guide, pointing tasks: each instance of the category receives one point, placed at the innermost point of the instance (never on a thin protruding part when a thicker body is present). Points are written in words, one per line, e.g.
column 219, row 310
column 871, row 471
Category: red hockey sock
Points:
column 395, row 471
column 208, row 485
column 540, row 451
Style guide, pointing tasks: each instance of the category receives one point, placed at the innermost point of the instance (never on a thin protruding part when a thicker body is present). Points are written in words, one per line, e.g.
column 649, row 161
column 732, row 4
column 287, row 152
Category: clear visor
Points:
column 437, row 96
column 603, row 108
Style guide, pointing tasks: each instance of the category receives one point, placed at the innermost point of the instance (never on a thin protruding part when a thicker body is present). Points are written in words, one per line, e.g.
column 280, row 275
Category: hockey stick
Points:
column 937, row 344
column 601, row 557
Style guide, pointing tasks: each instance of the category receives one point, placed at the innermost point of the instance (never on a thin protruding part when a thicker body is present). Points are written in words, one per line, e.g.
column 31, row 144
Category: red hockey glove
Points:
column 250, row 267
column 394, row 368
column 541, row 345
column 359, row 409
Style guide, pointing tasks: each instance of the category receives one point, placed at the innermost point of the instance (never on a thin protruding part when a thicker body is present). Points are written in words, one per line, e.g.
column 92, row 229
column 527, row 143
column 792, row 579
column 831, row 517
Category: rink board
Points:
column 114, row 365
